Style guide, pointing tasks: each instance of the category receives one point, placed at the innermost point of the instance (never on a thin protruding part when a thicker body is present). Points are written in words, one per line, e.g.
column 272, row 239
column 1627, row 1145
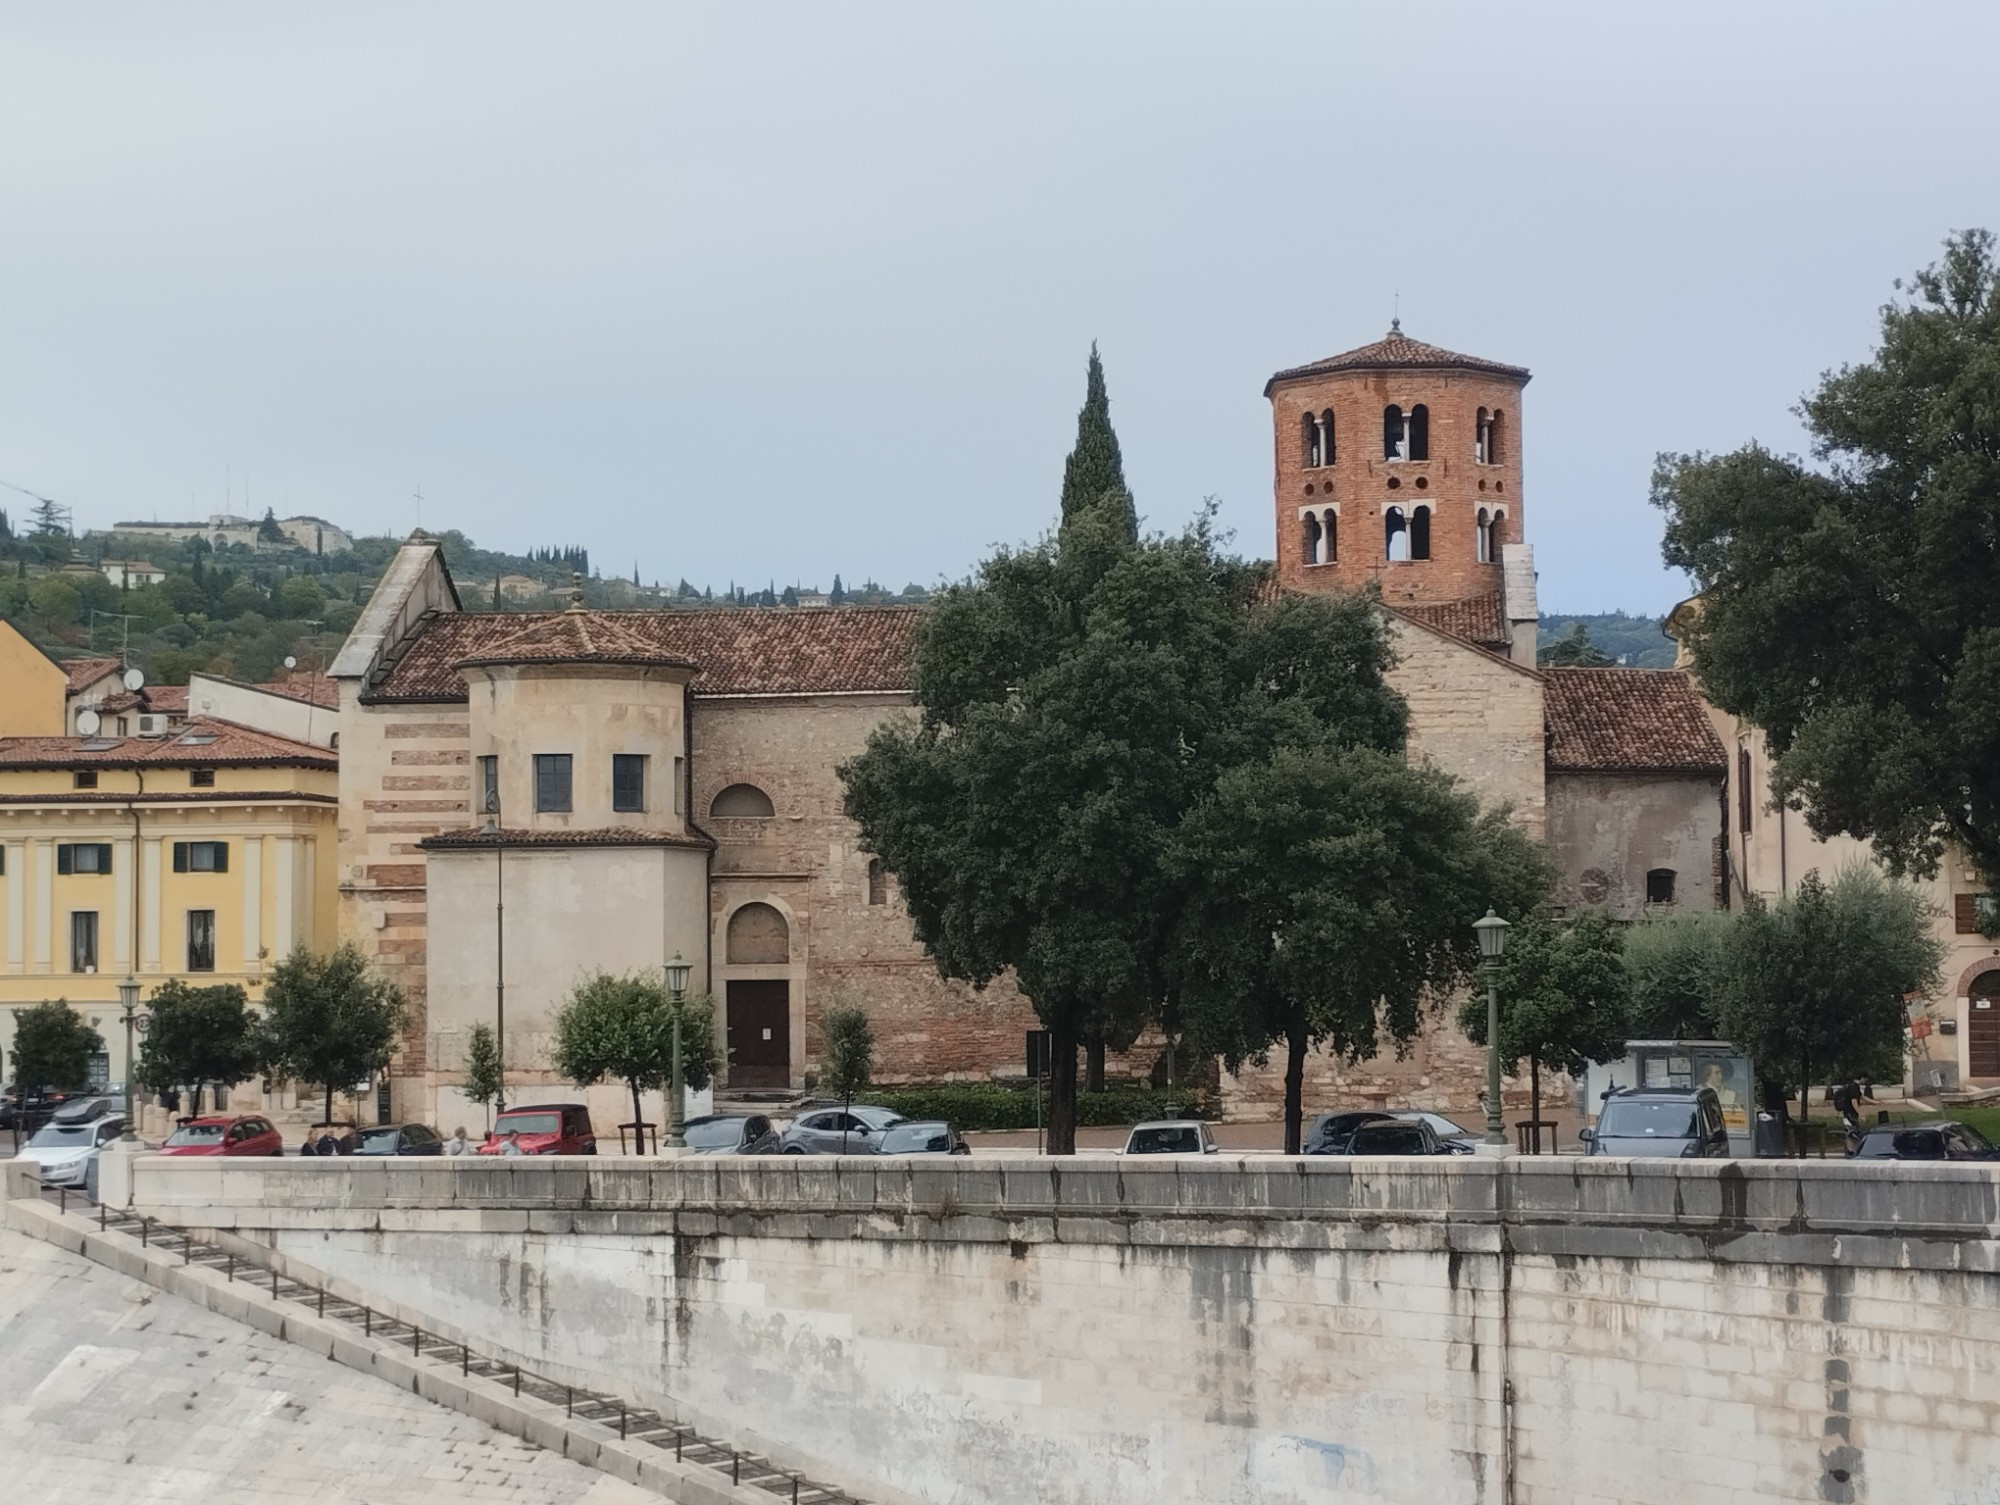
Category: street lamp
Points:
column 1492, row 933
column 128, row 1002
column 677, row 981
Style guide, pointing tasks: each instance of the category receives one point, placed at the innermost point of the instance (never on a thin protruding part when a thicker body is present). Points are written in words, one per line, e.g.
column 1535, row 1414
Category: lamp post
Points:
column 128, row 1003
column 677, row 981
column 1492, row 933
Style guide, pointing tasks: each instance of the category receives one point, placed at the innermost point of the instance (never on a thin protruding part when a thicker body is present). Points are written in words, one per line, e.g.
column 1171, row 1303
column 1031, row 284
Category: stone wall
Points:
column 1475, row 715
column 1461, row 1332
column 1609, row 830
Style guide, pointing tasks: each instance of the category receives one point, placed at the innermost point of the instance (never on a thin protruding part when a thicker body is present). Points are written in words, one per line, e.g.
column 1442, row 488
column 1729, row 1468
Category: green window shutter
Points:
column 104, row 857
column 180, row 857
column 65, row 859
column 222, row 856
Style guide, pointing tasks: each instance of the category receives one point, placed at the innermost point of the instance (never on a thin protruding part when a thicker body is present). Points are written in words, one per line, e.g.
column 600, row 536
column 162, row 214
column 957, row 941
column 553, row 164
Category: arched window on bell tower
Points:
column 1420, row 533
column 1481, row 426
column 1496, row 427
column 1328, row 450
column 1420, row 433
column 1310, row 542
column 1309, row 441
column 1395, row 434
column 1395, row 536
column 1330, row 549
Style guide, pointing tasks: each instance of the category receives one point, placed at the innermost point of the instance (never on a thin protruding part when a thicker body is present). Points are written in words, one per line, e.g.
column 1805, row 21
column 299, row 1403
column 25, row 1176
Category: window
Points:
column 84, row 778
column 1975, row 914
column 1420, row 433
column 1329, row 552
column 83, row 940
column 552, row 781
column 742, row 799
column 201, row 856
column 878, row 882
column 1395, row 535
column 679, row 779
column 1395, row 434
column 1493, row 431
column 1660, row 886
column 201, row 778
column 201, row 940
column 489, row 785
column 1745, row 806
column 1317, row 431
column 1486, row 437
column 1420, row 533
column 83, row 857
column 1482, row 540
column 1312, row 539
column 628, row 781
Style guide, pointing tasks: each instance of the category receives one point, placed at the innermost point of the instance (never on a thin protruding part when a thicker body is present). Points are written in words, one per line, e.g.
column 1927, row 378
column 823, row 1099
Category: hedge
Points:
column 996, row 1105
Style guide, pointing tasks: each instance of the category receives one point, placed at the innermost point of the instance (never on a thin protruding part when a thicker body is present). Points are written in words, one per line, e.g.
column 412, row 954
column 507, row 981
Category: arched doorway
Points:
column 758, row 1010
column 1982, row 1025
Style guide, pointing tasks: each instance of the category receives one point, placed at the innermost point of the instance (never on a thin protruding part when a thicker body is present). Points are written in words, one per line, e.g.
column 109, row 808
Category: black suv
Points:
column 1328, row 1134
column 1943, row 1140
column 1659, row 1122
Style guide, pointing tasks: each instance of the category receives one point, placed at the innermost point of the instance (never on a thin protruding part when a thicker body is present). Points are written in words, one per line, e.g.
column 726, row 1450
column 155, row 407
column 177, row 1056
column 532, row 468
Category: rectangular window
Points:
column 83, row 940
column 552, row 781
column 201, row 778
column 1975, row 914
column 201, row 940
column 679, row 778
column 85, row 778
column 489, row 785
column 628, row 781
column 83, row 857
column 201, row 856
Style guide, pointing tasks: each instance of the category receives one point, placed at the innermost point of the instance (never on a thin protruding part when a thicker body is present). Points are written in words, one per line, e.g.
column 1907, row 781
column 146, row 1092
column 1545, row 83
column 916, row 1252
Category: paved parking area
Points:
column 118, row 1392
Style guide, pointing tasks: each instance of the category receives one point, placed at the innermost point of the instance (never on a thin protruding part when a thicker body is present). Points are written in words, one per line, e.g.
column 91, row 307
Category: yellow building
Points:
column 206, row 855
column 33, row 687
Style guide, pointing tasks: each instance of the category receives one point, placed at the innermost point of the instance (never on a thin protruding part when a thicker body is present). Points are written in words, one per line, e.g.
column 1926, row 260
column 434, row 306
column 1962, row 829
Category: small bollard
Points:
column 677, row 1444
column 232, row 1267
column 621, row 1421
column 187, row 1251
column 416, row 1338
column 464, row 1359
column 322, row 1299
column 569, row 1404
column 517, row 1379
column 145, row 1233
column 367, row 1323
column 274, row 1284
column 62, row 1199
column 735, row 1467
column 102, row 1214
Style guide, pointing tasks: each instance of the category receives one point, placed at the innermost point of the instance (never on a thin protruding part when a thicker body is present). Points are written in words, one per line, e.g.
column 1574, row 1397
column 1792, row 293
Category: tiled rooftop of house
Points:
column 1628, row 721
column 86, row 671
column 203, row 742
column 1476, row 619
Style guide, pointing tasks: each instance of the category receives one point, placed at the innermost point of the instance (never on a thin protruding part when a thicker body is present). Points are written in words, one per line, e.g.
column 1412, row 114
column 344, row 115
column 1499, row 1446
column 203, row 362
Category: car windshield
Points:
column 1166, row 1141
column 196, row 1134
column 718, row 1135
column 909, row 1139
column 1646, row 1120
column 63, row 1136
column 1974, row 1138
column 529, row 1123
column 1375, row 1139
column 380, row 1142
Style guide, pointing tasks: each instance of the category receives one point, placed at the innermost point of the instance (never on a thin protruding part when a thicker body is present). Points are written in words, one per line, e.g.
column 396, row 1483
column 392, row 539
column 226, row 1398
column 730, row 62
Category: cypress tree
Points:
column 1094, row 473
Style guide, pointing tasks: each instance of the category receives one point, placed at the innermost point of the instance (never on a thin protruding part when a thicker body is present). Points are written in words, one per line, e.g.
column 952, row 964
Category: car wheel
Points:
column 792, row 1149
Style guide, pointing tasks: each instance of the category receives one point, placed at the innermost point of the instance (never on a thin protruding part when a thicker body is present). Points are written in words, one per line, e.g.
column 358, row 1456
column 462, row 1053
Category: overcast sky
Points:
column 764, row 292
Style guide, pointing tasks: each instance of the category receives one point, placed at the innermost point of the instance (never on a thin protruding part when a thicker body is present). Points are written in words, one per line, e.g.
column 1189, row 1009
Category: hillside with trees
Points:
column 1635, row 642
column 240, row 612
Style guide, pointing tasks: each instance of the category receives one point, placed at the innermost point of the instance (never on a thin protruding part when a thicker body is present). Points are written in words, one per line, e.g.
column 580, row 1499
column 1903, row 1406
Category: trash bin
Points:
column 1769, row 1139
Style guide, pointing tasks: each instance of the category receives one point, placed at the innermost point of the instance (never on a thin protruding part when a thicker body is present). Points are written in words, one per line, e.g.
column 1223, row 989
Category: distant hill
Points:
column 1636, row 642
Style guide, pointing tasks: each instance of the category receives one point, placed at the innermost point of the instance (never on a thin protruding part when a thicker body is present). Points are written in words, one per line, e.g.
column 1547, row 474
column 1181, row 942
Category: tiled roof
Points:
column 166, row 700
column 84, row 672
column 476, row 837
column 1396, row 351
column 1628, row 721
column 1476, row 619
column 169, row 797
column 315, row 688
column 750, row 651
column 202, row 743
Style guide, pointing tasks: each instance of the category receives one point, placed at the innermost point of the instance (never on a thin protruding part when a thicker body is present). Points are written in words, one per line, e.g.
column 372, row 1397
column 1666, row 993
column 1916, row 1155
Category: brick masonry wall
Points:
column 1454, row 486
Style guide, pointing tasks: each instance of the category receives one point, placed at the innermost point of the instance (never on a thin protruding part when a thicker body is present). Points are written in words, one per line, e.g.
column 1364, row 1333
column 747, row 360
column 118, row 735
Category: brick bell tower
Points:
column 1401, row 463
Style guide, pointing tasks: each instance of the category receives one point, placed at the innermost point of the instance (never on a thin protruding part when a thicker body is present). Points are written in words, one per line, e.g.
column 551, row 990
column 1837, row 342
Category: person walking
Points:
column 1847, row 1098
column 458, row 1144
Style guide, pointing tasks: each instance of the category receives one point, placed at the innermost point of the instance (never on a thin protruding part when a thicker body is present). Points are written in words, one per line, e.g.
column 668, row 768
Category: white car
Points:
column 1170, row 1136
column 64, row 1151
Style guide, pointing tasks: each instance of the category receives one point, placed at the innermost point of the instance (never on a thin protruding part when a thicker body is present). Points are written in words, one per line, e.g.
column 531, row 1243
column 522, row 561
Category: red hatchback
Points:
column 557, row 1129
column 224, row 1136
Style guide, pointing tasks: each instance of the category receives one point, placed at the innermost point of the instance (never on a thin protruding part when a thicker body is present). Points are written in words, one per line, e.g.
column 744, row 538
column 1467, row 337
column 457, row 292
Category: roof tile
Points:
column 202, row 743
column 1476, row 619
column 84, row 672
column 1628, row 721
column 1396, row 351
column 475, row 837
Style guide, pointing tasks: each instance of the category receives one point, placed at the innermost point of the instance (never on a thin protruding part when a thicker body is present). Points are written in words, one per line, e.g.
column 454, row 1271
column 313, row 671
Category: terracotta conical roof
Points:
column 1396, row 351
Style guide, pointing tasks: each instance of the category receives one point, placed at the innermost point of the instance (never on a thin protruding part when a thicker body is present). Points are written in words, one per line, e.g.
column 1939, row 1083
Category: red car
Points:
column 553, row 1129
column 248, row 1135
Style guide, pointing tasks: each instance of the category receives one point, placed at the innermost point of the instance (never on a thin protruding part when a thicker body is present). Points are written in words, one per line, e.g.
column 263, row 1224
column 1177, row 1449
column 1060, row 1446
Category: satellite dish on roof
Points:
column 290, row 662
column 134, row 680
column 87, row 722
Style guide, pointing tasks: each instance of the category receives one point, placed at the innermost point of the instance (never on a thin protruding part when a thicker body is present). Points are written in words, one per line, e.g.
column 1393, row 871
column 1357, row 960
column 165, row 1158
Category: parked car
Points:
column 838, row 1131
column 1456, row 1139
column 730, row 1134
column 35, row 1109
column 548, row 1129
column 923, row 1136
column 1171, row 1136
column 1942, row 1139
column 64, row 1151
column 1660, row 1122
column 221, row 1135
column 1396, row 1136
column 1327, row 1134
column 400, row 1139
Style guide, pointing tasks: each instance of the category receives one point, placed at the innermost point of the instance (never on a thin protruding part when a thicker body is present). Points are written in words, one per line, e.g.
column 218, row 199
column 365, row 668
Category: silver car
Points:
column 838, row 1131
column 1170, row 1136
column 64, row 1151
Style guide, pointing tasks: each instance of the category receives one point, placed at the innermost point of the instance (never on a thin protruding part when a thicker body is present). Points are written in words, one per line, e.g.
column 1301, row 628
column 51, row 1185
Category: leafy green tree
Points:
column 850, row 1054
column 56, row 601
column 838, row 595
column 1094, row 473
column 268, row 530
column 1847, row 607
column 1332, row 894
column 300, row 598
column 331, row 1019
column 1574, row 650
column 53, row 1047
column 1563, row 997
column 1673, row 970
column 1812, row 986
column 199, row 1038
column 621, row 1025
column 485, row 1081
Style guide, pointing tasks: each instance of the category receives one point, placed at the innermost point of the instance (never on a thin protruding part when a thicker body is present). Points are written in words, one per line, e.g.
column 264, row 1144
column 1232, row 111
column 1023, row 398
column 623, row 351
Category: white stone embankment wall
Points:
column 1421, row 1333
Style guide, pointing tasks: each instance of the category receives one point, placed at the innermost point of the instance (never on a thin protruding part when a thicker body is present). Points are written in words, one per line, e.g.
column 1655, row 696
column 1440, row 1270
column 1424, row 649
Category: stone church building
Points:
column 527, row 797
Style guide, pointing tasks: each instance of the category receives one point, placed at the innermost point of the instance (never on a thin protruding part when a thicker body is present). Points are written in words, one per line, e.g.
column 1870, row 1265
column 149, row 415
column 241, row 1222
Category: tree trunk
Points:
column 1295, row 1085
column 638, row 1117
column 1535, row 1097
column 328, row 1120
column 1062, row 1088
column 1093, row 1059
